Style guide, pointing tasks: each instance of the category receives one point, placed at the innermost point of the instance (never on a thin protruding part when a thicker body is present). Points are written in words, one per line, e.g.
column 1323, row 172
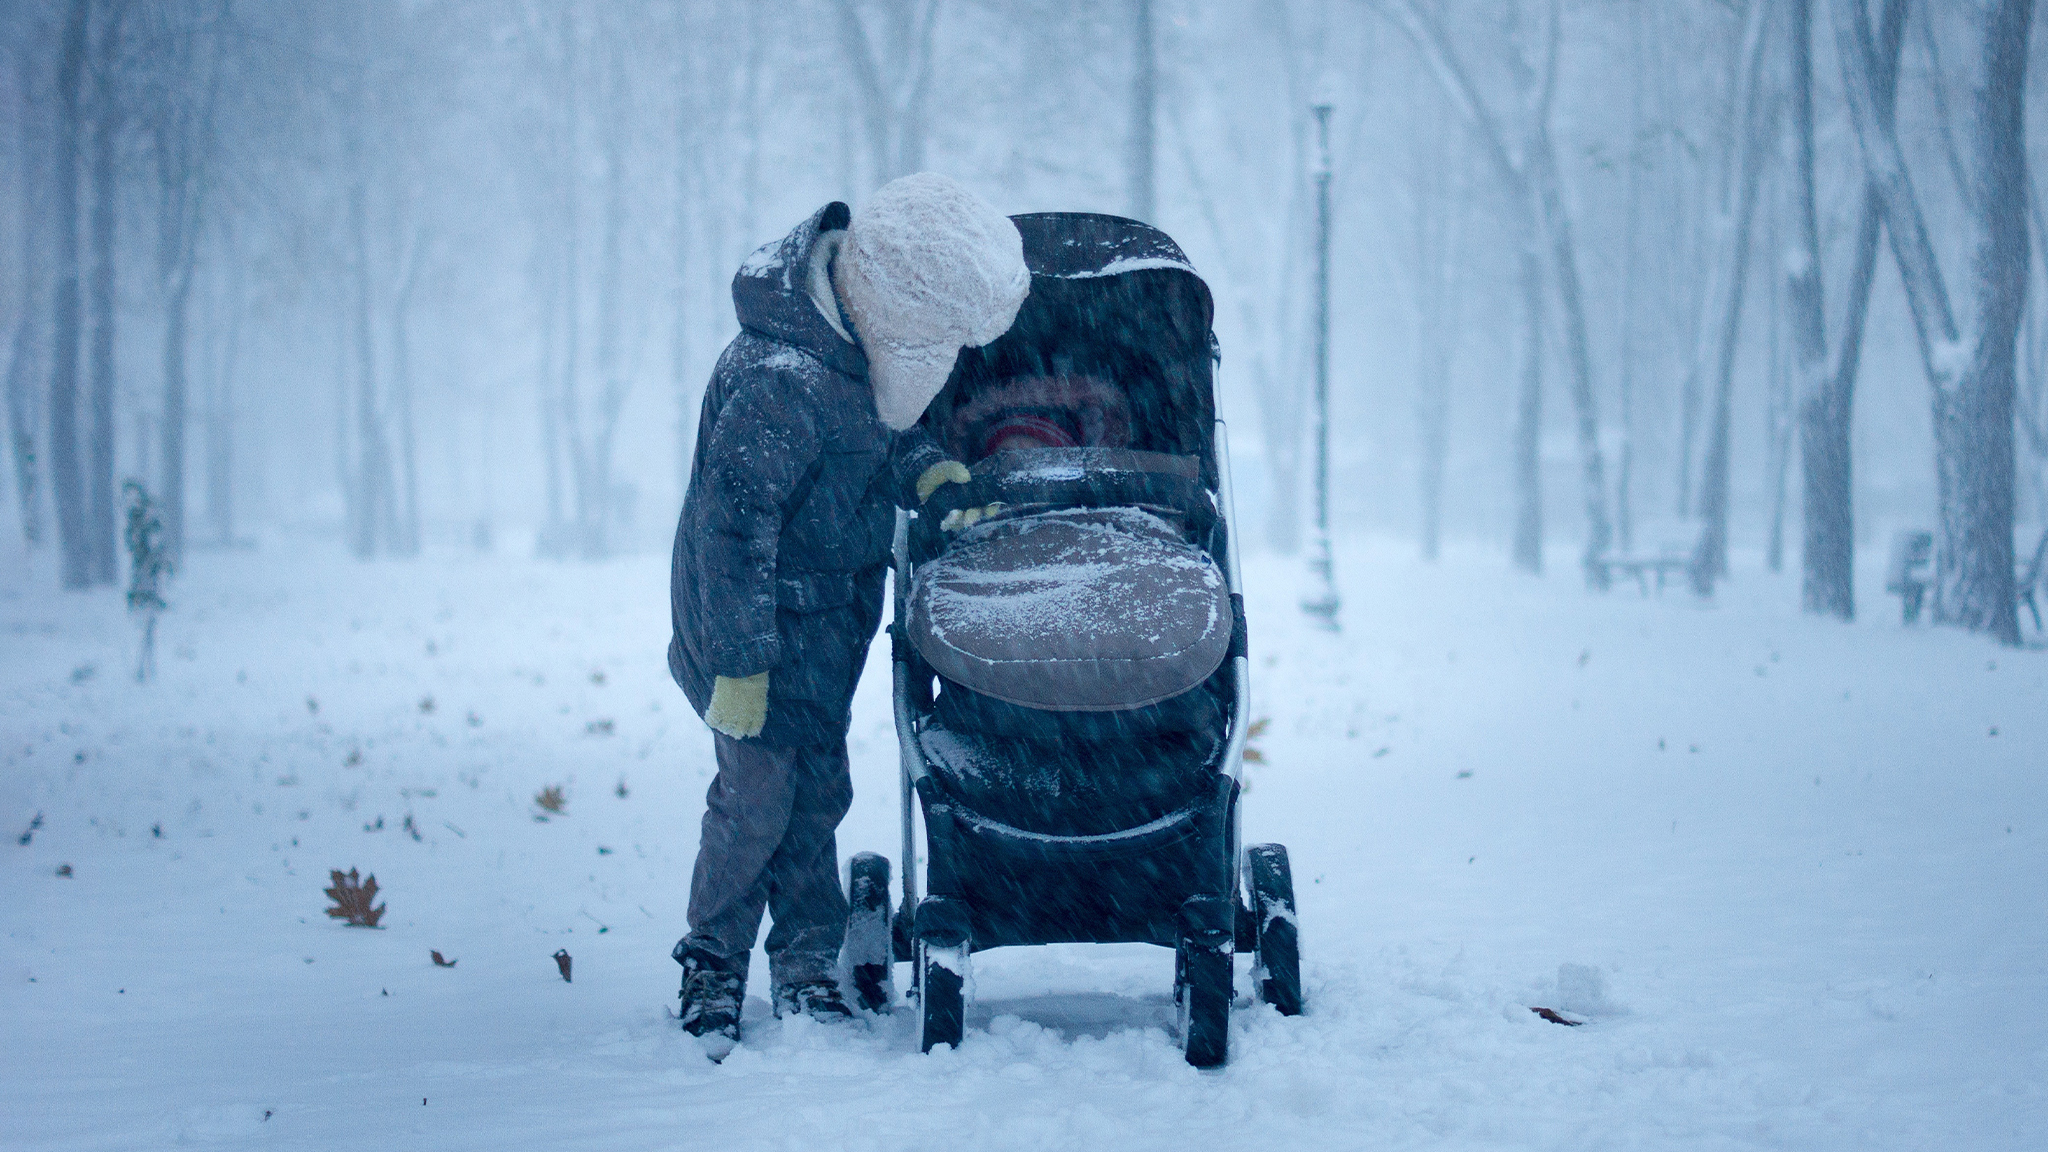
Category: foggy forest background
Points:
column 1610, row 278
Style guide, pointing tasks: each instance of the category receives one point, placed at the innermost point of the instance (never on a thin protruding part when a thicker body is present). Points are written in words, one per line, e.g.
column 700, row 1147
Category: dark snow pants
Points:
column 768, row 842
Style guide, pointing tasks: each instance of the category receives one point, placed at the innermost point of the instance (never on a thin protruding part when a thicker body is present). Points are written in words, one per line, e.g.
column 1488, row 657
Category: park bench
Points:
column 1642, row 569
column 1909, row 569
column 2029, row 578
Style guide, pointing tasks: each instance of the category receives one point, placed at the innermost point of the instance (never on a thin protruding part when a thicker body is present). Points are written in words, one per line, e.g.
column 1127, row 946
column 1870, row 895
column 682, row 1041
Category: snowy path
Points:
column 1786, row 869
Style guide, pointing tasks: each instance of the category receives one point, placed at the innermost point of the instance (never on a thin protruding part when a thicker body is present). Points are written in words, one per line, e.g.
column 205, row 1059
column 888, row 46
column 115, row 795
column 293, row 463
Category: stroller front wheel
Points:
column 942, row 995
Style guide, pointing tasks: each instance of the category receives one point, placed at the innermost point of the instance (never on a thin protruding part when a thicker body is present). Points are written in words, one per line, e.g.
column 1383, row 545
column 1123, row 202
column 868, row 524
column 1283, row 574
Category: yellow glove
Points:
column 944, row 472
column 739, row 707
column 963, row 518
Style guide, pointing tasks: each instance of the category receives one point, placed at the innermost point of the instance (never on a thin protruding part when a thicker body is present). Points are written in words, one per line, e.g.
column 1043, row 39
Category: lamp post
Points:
column 1321, row 601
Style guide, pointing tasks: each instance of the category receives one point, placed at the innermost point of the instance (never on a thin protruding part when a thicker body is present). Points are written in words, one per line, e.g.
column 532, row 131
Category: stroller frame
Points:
column 1182, row 880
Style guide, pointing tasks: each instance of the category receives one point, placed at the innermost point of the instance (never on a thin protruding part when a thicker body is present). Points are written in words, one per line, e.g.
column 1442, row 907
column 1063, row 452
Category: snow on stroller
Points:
column 1070, row 672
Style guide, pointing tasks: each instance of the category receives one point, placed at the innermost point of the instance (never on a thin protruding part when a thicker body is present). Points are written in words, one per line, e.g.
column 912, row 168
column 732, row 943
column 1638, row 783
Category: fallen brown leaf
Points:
column 352, row 900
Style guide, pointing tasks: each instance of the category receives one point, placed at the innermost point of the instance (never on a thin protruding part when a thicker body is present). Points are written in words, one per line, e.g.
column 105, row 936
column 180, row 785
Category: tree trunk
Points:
column 892, row 106
column 344, row 467
column 1625, row 453
column 408, row 535
column 67, row 475
column 1440, row 207
column 220, row 401
column 687, row 159
column 1534, row 187
column 100, row 520
column 1971, row 380
column 184, row 145
column 1974, row 587
column 1557, row 225
column 1528, row 549
column 1426, row 31
column 176, row 308
column 594, row 503
column 22, row 421
column 1778, row 400
column 2031, row 408
column 569, row 411
column 1710, row 556
column 549, row 538
column 1827, row 394
column 26, row 402
column 1432, row 371
column 1140, row 165
column 370, row 517
column 1279, row 405
column 1744, row 77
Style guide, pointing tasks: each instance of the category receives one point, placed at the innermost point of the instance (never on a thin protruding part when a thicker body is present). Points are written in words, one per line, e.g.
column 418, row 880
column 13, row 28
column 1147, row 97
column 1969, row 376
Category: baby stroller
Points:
column 1070, row 672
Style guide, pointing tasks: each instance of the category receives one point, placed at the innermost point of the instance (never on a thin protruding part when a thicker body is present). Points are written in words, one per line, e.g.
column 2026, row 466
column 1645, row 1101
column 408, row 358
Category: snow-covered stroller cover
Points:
column 1082, row 609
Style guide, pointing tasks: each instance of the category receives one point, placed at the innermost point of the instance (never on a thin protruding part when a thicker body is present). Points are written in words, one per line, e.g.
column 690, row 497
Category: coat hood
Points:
column 771, row 294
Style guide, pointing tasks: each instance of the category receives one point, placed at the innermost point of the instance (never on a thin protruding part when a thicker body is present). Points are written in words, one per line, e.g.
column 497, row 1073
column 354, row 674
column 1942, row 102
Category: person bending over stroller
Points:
column 806, row 444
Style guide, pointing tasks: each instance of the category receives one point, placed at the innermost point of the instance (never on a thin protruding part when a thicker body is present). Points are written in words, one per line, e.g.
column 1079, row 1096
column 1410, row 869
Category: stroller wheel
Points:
column 868, row 950
column 1203, row 990
column 1279, row 941
column 942, row 1000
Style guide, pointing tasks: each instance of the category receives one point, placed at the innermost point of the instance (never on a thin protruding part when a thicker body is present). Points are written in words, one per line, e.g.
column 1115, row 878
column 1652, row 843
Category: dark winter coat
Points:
column 781, row 551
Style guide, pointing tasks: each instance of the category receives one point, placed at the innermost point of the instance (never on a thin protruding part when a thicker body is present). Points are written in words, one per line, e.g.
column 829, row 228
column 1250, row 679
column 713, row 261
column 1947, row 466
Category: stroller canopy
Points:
column 1115, row 335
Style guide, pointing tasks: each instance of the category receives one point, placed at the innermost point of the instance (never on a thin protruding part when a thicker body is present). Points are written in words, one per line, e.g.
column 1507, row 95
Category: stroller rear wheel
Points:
column 1278, row 934
column 1202, row 988
column 942, row 998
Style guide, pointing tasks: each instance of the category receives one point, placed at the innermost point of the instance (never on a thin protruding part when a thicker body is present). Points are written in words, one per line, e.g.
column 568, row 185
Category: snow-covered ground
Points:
column 1795, row 876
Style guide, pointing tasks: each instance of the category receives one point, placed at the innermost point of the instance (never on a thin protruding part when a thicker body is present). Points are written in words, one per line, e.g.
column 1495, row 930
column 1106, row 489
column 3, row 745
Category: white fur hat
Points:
column 927, row 269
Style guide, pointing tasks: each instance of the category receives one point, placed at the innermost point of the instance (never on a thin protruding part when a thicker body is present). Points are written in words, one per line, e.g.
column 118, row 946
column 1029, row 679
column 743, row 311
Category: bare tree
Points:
column 406, row 540
column 107, row 117
column 1970, row 372
column 1827, row 391
column 1778, row 400
column 223, row 343
column 1625, row 454
column 66, row 470
column 578, row 429
column 1441, row 205
column 2032, row 405
column 26, row 400
column 892, row 76
column 368, row 486
column 591, row 451
column 1529, row 174
column 179, row 117
column 688, row 145
column 1755, row 110
column 1280, row 408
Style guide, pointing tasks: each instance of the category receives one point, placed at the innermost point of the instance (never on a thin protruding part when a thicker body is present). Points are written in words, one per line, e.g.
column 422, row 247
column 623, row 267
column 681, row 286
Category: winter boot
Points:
column 818, row 999
column 712, row 996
